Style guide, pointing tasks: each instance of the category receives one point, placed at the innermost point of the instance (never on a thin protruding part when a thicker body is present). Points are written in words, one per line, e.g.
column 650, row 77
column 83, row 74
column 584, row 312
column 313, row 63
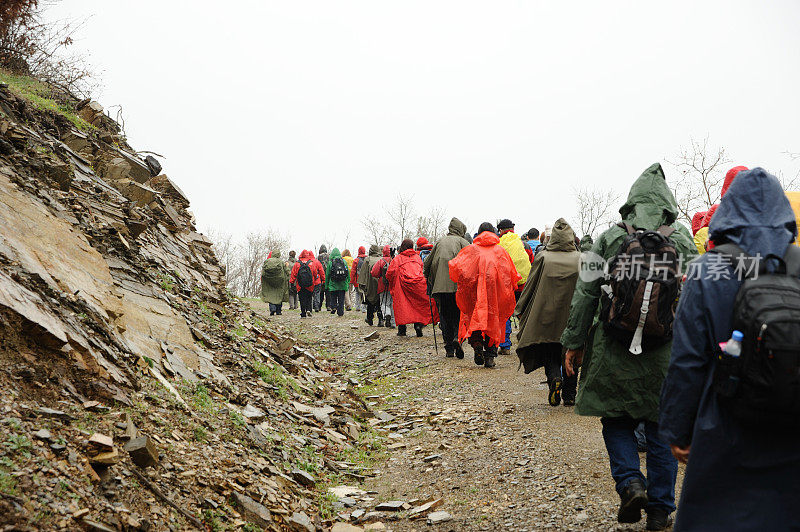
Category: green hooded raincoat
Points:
column 275, row 288
column 615, row 383
column 330, row 284
column 366, row 282
column 436, row 267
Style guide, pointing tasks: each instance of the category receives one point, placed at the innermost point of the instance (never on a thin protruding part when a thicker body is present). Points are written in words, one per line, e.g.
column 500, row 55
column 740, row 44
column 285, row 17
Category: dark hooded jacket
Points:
column 366, row 282
column 615, row 383
column 436, row 268
column 275, row 279
column 323, row 256
column 543, row 307
column 737, row 478
column 586, row 243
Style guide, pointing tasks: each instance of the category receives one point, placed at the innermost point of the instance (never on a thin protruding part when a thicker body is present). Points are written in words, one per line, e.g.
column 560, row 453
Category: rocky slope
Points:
column 134, row 394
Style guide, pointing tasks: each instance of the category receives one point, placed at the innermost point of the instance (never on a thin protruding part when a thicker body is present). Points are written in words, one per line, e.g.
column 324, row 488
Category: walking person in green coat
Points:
column 337, row 281
column 618, row 386
column 275, row 283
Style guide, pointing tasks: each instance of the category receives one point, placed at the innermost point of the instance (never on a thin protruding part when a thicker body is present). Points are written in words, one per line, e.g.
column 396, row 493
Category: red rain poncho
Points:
column 486, row 279
column 377, row 270
column 408, row 287
column 305, row 256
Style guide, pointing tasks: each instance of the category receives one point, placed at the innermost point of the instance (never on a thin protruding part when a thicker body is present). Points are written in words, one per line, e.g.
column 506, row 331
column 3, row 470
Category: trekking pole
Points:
column 433, row 325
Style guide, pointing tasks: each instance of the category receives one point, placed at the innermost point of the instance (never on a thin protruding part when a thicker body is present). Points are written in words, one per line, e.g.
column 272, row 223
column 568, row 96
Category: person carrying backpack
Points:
column 337, row 281
column 358, row 296
column 319, row 270
column 407, row 285
column 618, row 385
column 292, row 288
column 513, row 244
column 324, row 296
column 369, row 285
column 739, row 429
column 348, row 297
column 274, row 283
column 378, row 271
column 305, row 277
column 423, row 248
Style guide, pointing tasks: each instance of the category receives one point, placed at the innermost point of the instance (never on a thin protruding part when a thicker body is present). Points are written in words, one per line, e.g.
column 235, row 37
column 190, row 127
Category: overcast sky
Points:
column 304, row 116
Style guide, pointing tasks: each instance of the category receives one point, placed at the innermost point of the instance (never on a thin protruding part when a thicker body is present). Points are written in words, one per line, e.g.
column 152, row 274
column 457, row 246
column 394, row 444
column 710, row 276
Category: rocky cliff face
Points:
column 134, row 394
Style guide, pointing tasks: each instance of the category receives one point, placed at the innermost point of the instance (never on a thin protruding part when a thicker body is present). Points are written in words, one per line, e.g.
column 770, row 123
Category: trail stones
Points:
column 42, row 434
column 301, row 523
column 106, row 458
column 253, row 413
column 438, row 517
column 101, row 441
column 345, row 527
column 392, row 506
column 142, row 451
column 427, row 507
column 252, row 511
column 49, row 412
column 374, row 335
column 303, row 478
column 432, row 458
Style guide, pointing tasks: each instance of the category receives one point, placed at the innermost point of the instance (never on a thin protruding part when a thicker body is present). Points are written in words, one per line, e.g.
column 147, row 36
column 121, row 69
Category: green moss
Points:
column 38, row 94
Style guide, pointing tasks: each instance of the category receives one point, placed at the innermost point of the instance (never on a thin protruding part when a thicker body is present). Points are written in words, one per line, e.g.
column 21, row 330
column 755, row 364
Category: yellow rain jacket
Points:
column 700, row 239
column 512, row 243
column 794, row 201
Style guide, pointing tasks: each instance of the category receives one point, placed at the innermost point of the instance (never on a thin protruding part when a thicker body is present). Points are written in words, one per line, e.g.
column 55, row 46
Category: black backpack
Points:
column 305, row 277
column 641, row 289
column 338, row 269
column 761, row 387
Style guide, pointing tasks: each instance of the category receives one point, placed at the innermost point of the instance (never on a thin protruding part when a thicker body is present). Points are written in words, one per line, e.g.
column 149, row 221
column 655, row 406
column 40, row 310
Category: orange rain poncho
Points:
column 486, row 279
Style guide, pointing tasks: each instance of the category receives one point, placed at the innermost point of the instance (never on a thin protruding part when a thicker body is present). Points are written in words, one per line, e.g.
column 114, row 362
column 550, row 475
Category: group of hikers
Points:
column 688, row 340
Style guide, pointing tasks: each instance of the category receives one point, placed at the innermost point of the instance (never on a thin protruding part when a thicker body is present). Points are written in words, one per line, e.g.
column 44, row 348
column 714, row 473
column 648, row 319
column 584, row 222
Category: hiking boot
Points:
column 389, row 324
column 658, row 519
column 488, row 362
column 418, row 329
column 504, row 351
column 632, row 500
column 554, row 397
column 401, row 332
column 478, row 356
column 569, row 401
column 368, row 322
column 380, row 322
column 449, row 353
column 459, row 352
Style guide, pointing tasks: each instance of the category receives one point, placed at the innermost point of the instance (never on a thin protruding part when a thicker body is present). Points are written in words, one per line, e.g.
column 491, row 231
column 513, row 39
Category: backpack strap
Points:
column 738, row 258
column 792, row 260
column 665, row 231
column 627, row 227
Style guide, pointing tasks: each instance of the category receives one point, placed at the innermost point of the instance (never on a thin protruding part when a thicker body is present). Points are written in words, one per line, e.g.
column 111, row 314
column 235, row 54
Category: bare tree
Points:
column 790, row 182
column 432, row 226
column 378, row 232
column 597, row 209
column 243, row 261
column 701, row 172
column 402, row 216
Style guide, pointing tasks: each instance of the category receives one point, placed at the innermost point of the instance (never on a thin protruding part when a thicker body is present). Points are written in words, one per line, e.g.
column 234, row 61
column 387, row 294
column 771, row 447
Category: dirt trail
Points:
column 483, row 440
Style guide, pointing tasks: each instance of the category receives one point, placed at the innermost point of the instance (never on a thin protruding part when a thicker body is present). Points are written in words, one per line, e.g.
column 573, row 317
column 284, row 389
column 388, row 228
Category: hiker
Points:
column 274, row 283
column 741, row 444
column 620, row 387
column 532, row 238
column 586, row 243
column 378, row 271
column 348, row 299
column 306, row 279
column 320, row 281
column 369, row 285
column 704, row 226
column 699, row 233
column 486, row 279
column 512, row 243
column 409, row 290
column 337, row 281
column 423, row 248
column 543, row 309
column 325, row 296
column 442, row 289
column 292, row 288
column 358, row 295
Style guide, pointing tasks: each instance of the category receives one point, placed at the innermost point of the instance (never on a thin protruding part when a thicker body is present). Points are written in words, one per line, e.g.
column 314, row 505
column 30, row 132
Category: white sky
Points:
column 303, row 116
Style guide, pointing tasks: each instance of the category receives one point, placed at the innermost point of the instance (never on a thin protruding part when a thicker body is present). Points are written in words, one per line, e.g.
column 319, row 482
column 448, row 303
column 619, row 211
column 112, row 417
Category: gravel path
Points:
column 485, row 441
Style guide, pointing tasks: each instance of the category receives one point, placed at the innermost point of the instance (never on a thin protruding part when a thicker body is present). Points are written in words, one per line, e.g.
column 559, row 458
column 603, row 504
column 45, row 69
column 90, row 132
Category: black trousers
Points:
column 305, row 301
column 449, row 316
column 336, row 299
column 372, row 309
column 553, row 369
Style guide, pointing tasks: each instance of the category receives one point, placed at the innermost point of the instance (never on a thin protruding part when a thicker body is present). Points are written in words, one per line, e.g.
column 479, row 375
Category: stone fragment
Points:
column 345, row 527
column 80, row 513
column 143, row 451
column 300, row 522
column 91, row 405
column 164, row 184
column 49, row 412
column 357, row 514
column 346, row 491
column 374, row 335
column 438, row 517
column 101, row 441
column 42, row 434
column 375, row 526
column 253, row 413
column 391, row 506
column 432, row 458
column 58, row 448
column 252, row 511
column 348, row 502
column 303, row 477
column 105, row 458
column 97, row 526
column 427, row 507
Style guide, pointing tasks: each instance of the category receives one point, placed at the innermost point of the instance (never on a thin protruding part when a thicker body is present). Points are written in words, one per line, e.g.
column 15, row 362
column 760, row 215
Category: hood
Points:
column 306, row 255
column 586, row 242
column 387, row 251
column 755, row 214
column 650, row 202
column 697, row 221
column 346, row 253
column 323, row 249
column 362, row 251
column 457, row 228
column 335, row 254
column 562, row 238
column 729, row 177
column 275, row 254
column 311, row 254
column 486, row 239
column 408, row 252
column 422, row 242
column 374, row 250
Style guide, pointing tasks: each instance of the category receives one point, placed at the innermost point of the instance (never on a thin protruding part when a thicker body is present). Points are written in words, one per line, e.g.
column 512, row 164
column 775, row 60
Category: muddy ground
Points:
column 485, row 441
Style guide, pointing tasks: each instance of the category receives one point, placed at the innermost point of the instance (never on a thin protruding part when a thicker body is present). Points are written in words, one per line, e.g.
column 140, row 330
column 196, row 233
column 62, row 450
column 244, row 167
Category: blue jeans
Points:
column 662, row 468
column 507, row 343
